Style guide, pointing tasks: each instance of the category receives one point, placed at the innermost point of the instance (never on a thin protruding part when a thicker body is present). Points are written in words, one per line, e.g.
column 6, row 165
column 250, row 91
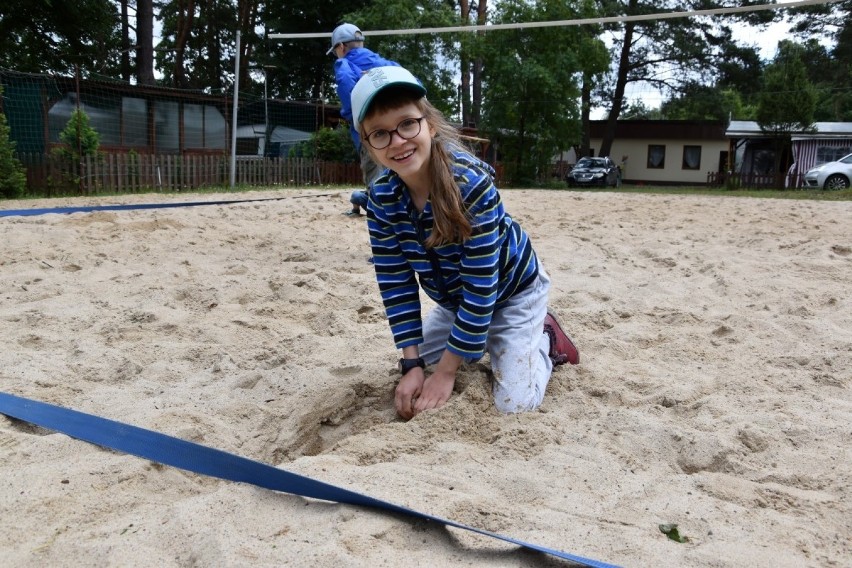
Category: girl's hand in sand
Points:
column 436, row 391
column 407, row 391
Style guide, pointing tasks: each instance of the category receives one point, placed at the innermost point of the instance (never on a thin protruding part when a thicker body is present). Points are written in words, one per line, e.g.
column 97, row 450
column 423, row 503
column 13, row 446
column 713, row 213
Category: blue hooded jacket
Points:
column 347, row 71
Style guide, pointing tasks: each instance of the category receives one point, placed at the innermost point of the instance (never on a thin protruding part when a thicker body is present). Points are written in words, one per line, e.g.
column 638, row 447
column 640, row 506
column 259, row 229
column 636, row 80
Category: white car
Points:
column 831, row 175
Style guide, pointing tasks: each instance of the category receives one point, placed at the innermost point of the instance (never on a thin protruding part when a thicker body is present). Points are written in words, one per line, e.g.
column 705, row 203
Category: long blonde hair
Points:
column 451, row 221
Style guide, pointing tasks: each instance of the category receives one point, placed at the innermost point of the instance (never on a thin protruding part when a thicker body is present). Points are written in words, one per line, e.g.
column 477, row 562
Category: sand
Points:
column 713, row 391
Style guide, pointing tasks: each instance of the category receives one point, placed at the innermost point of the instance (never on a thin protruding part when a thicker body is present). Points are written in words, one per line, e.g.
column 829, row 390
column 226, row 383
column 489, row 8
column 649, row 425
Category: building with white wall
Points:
column 665, row 152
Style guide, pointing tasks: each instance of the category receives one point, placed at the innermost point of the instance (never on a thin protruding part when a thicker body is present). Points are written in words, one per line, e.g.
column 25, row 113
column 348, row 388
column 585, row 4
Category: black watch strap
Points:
column 406, row 365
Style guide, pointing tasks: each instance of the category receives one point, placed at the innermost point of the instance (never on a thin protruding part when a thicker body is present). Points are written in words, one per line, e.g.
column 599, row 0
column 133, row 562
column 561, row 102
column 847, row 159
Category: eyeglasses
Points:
column 407, row 129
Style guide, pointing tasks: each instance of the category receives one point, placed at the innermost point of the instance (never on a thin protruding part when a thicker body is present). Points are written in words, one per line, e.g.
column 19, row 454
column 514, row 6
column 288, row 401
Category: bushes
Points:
column 332, row 145
column 79, row 140
column 79, row 137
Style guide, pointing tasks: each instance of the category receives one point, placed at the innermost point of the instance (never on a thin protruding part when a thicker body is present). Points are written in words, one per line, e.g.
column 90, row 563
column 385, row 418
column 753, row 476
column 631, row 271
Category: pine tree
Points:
column 79, row 140
column 80, row 137
column 788, row 100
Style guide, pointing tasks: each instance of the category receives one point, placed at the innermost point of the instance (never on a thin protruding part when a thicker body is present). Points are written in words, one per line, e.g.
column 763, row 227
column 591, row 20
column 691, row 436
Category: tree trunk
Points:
column 246, row 20
column 519, row 160
column 585, row 111
column 185, row 18
column 464, row 67
column 476, row 87
column 125, row 43
column 214, row 75
column 145, row 42
column 620, row 84
column 476, row 106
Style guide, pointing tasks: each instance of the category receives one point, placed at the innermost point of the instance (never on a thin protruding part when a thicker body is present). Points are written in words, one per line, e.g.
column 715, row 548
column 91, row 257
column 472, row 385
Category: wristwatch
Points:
column 406, row 365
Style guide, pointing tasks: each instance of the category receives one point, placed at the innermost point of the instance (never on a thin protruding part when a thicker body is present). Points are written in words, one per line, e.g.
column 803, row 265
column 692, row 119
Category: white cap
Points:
column 344, row 33
column 374, row 81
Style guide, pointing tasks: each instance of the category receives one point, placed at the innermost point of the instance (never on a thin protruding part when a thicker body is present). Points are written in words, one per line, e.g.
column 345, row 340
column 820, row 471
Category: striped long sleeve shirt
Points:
column 472, row 278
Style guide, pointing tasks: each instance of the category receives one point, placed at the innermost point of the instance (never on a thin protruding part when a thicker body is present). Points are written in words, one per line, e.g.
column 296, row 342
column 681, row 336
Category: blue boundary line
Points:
column 196, row 458
column 127, row 207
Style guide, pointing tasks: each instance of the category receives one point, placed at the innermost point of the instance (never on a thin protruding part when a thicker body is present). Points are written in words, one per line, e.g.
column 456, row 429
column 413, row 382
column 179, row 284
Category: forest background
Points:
column 539, row 84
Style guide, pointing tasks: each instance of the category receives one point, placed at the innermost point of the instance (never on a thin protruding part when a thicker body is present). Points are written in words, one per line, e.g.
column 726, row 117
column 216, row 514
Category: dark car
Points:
column 600, row 172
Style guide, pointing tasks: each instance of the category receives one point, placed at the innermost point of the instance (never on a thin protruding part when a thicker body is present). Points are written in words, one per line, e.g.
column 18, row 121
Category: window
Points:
column 167, row 126
column 830, row 154
column 134, row 115
column 691, row 157
column 103, row 115
column 203, row 127
column 656, row 156
column 215, row 128
column 125, row 121
column 193, row 126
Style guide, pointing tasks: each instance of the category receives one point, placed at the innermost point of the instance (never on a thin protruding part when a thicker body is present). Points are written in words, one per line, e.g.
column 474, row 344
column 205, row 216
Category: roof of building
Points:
column 661, row 129
column 822, row 130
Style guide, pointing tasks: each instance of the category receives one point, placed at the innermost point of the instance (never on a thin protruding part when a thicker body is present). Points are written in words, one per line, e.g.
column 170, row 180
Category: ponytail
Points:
column 451, row 222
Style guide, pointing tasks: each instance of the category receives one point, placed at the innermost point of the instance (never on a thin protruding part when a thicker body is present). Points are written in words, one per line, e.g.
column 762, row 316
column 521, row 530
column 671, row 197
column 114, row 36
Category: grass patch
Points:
column 816, row 195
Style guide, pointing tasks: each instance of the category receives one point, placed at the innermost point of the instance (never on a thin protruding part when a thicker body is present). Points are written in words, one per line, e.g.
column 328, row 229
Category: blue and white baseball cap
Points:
column 375, row 81
column 344, row 33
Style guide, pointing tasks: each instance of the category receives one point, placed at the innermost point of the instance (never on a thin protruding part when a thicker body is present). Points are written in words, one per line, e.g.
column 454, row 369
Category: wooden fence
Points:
column 733, row 180
column 50, row 175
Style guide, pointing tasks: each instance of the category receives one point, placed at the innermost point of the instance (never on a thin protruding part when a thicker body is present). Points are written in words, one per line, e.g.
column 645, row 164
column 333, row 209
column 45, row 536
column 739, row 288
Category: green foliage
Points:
column 670, row 530
column 44, row 35
column 203, row 58
column 334, row 145
column 668, row 54
column 703, row 102
column 737, row 108
column 841, row 102
column 788, row 100
column 738, row 67
column 79, row 137
column 421, row 54
column 830, row 71
column 637, row 110
column 302, row 70
column 13, row 179
column 531, row 80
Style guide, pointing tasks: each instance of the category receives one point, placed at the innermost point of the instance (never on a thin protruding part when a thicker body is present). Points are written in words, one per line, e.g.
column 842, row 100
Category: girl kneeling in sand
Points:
column 436, row 218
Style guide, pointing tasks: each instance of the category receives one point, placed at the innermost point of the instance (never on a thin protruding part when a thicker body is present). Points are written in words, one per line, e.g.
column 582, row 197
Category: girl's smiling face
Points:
column 408, row 158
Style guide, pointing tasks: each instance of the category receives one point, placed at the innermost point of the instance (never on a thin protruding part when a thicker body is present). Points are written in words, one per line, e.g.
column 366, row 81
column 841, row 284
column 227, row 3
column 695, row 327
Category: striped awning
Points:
column 808, row 153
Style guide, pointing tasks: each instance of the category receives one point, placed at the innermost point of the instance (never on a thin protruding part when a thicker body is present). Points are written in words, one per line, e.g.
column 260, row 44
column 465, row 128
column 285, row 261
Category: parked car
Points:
column 601, row 172
column 831, row 175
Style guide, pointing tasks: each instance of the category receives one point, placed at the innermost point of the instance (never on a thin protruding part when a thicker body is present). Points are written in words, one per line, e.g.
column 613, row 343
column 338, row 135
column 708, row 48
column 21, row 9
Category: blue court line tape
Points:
column 127, row 207
column 196, row 458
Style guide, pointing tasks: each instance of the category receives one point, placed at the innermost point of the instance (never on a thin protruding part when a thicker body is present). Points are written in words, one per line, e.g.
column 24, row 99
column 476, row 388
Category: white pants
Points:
column 517, row 344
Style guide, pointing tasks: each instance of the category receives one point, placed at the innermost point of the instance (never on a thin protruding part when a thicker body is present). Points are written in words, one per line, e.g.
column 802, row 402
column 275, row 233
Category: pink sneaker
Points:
column 562, row 349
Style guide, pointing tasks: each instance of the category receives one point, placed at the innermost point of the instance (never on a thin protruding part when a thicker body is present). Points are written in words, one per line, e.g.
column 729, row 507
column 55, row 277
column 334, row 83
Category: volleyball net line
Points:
column 573, row 22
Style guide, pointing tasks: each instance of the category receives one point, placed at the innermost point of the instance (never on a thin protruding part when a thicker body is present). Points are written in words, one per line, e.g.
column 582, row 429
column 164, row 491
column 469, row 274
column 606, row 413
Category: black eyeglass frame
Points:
column 395, row 131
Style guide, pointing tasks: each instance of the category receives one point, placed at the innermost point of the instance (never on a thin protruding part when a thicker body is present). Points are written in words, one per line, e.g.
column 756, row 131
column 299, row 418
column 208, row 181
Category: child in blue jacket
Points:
column 353, row 60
